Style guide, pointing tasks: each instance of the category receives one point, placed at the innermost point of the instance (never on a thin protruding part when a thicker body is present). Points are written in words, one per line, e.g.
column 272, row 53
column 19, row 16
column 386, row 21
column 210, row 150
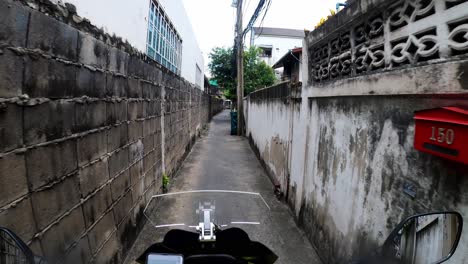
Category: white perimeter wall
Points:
column 129, row 20
column 269, row 124
column 349, row 159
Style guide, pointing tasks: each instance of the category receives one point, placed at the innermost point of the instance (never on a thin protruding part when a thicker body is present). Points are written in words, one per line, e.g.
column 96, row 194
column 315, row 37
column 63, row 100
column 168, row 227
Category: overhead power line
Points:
column 266, row 11
column 262, row 7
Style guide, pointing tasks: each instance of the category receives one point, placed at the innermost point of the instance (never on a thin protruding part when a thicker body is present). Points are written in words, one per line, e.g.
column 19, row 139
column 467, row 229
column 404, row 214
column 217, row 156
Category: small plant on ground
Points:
column 165, row 182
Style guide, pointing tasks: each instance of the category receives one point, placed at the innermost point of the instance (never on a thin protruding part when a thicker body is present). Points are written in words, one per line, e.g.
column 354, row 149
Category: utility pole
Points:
column 240, row 70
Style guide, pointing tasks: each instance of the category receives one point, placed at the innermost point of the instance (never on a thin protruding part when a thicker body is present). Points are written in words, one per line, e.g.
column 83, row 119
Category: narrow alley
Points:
column 219, row 161
column 351, row 131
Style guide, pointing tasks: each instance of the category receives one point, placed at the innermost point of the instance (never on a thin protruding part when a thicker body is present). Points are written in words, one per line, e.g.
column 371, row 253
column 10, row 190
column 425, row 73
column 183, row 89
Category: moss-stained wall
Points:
column 88, row 126
column 353, row 170
column 360, row 171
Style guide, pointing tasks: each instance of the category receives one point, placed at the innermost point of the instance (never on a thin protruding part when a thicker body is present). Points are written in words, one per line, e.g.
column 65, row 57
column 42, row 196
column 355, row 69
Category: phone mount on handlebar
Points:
column 206, row 228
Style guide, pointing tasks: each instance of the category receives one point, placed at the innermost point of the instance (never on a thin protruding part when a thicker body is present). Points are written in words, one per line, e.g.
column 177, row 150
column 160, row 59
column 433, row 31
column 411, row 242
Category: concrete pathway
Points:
column 221, row 161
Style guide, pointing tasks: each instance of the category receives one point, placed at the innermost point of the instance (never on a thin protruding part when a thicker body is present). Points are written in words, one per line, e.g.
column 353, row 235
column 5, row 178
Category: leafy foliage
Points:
column 165, row 181
column 257, row 74
column 221, row 68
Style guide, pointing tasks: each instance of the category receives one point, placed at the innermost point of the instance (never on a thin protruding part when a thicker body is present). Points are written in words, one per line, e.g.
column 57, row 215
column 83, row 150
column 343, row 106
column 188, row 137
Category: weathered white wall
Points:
column 357, row 133
column 281, row 45
column 268, row 125
column 350, row 158
column 351, row 135
column 359, row 157
column 129, row 20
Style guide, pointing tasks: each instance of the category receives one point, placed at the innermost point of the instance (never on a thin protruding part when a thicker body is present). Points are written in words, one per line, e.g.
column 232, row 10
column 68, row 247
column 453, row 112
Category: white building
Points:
column 160, row 28
column 276, row 42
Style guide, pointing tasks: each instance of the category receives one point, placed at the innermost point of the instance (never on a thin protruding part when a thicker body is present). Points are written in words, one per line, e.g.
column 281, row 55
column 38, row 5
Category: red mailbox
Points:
column 443, row 132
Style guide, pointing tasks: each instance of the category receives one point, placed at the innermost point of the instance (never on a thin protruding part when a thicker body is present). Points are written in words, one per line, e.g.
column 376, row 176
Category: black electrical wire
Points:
column 255, row 15
column 262, row 7
column 264, row 15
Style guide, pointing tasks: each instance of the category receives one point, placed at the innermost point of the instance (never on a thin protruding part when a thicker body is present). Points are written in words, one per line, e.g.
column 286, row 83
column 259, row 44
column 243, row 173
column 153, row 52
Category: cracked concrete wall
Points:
column 88, row 126
column 350, row 160
column 358, row 157
column 352, row 130
column 268, row 128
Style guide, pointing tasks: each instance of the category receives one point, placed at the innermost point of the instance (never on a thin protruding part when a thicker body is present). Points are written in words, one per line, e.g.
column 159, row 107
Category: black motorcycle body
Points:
column 232, row 245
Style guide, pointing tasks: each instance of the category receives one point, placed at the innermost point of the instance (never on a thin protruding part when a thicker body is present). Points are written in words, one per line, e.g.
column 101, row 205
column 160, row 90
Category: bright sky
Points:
column 213, row 20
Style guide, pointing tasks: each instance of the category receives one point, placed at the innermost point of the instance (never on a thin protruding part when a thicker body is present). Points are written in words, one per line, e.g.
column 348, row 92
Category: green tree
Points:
column 257, row 74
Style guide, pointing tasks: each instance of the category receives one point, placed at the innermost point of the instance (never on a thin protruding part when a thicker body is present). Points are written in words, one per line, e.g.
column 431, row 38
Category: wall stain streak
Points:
column 347, row 189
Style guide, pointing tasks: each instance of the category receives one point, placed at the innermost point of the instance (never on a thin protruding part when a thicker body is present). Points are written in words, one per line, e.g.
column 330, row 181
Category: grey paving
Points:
column 221, row 161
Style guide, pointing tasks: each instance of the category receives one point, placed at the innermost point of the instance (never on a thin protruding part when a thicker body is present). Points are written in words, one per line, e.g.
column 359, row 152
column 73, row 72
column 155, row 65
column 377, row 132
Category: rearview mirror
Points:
column 13, row 249
column 427, row 238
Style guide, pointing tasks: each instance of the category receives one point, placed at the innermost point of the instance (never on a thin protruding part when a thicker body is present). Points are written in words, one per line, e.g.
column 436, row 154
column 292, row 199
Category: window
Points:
column 163, row 44
column 265, row 51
